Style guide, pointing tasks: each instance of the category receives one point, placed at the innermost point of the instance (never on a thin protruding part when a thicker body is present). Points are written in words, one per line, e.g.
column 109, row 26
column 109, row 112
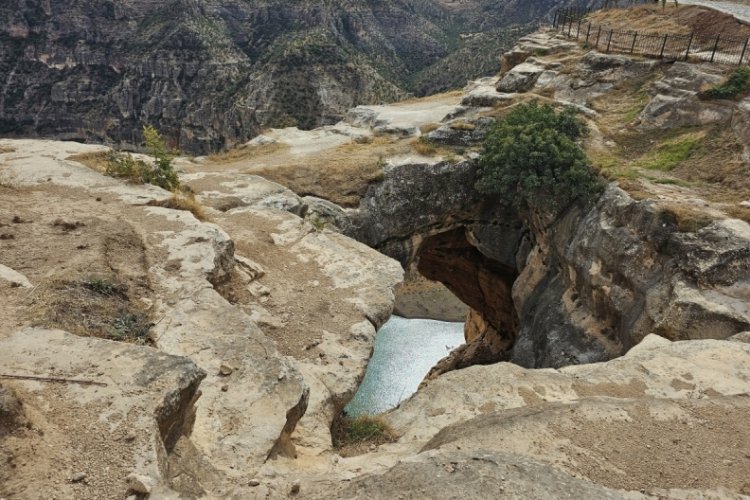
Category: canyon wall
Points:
column 586, row 288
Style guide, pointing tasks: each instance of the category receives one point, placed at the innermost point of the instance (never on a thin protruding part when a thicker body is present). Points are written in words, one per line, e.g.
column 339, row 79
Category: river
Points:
column 405, row 350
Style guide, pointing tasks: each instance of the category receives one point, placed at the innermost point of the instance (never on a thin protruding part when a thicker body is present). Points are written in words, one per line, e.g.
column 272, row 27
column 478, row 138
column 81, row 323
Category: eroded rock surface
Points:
column 143, row 403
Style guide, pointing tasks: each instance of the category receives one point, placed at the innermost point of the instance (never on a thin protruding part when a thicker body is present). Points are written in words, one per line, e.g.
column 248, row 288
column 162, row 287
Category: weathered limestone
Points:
column 130, row 424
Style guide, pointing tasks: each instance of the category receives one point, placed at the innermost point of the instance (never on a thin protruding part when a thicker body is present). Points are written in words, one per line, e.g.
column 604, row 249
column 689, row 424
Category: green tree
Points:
column 531, row 158
column 163, row 173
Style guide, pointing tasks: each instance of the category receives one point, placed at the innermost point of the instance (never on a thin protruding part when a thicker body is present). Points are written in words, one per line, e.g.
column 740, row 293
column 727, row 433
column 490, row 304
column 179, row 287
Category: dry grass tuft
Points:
column 689, row 219
column 95, row 306
column 738, row 212
column 462, row 125
column 424, row 147
column 354, row 435
column 426, row 129
column 95, row 161
column 6, row 149
column 245, row 152
column 183, row 201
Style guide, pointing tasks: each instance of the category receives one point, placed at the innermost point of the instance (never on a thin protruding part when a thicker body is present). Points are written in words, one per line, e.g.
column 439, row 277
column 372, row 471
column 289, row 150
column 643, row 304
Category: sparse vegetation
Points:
column 96, row 306
column 159, row 173
column 352, row 434
column 183, row 201
column 532, row 159
column 6, row 149
column 671, row 153
column 424, row 147
column 735, row 86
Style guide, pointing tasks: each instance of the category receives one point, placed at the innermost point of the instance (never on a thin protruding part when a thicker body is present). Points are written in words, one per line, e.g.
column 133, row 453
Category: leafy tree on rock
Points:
column 531, row 158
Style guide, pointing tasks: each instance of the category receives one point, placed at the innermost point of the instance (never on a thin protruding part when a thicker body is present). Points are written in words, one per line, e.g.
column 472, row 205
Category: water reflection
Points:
column 405, row 350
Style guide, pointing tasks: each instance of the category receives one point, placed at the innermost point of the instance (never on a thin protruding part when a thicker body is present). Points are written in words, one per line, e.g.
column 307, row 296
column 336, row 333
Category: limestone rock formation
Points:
column 469, row 474
column 676, row 408
column 132, row 420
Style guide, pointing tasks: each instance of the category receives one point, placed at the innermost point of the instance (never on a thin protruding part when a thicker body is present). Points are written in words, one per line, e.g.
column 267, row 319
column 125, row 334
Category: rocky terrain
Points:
column 162, row 353
column 211, row 73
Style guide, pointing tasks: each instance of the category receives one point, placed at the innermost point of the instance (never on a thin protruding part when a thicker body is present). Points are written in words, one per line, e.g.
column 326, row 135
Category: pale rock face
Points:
column 473, row 474
column 676, row 102
column 144, row 393
column 521, row 77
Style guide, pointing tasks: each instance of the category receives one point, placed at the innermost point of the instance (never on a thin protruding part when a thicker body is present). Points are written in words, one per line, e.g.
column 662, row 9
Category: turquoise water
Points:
column 405, row 350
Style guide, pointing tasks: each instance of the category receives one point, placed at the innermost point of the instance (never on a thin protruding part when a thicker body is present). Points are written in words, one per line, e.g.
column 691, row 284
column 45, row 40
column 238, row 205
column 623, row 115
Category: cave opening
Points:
column 459, row 313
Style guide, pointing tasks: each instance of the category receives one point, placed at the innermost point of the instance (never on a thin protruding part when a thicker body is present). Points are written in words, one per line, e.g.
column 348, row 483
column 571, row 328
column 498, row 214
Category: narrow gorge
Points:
column 153, row 347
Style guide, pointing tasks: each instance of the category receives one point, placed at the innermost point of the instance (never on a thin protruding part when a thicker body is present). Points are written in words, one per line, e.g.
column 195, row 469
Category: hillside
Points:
column 212, row 73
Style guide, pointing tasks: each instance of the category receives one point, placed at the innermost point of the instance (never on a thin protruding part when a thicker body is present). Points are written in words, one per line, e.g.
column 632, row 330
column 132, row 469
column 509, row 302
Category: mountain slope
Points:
column 211, row 73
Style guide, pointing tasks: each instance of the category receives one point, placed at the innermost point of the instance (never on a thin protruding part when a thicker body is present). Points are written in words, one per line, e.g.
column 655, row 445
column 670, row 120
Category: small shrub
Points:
column 531, row 158
column 102, row 286
column 160, row 173
column 736, row 85
column 163, row 173
column 362, row 430
column 129, row 326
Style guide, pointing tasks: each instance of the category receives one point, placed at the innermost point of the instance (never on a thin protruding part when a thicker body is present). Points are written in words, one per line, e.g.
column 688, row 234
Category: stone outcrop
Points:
column 592, row 284
column 469, row 474
column 278, row 346
column 131, row 421
column 614, row 423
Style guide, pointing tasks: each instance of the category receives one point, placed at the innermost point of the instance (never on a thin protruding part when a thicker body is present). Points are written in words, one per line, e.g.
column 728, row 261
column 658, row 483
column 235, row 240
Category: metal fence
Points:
column 717, row 48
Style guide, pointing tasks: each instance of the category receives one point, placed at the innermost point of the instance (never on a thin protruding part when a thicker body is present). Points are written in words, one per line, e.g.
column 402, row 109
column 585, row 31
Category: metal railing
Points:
column 715, row 48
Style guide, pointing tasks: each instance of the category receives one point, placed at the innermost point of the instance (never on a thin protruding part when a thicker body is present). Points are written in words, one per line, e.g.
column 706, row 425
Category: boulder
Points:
column 521, row 78
column 461, row 132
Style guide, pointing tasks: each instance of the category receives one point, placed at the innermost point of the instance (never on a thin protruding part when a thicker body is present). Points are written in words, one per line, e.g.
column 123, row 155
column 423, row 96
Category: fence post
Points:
column 588, row 32
column 716, row 46
column 609, row 40
column 598, row 34
column 690, row 43
column 744, row 50
column 554, row 20
column 632, row 47
column 663, row 46
column 570, row 26
column 578, row 31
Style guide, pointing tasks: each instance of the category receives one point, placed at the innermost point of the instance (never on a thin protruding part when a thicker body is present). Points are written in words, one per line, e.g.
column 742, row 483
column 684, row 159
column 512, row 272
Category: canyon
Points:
column 211, row 74
column 607, row 351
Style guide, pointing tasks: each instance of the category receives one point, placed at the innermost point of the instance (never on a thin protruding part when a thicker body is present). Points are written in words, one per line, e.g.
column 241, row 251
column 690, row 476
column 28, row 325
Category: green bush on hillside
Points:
column 737, row 84
column 531, row 158
column 161, row 173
